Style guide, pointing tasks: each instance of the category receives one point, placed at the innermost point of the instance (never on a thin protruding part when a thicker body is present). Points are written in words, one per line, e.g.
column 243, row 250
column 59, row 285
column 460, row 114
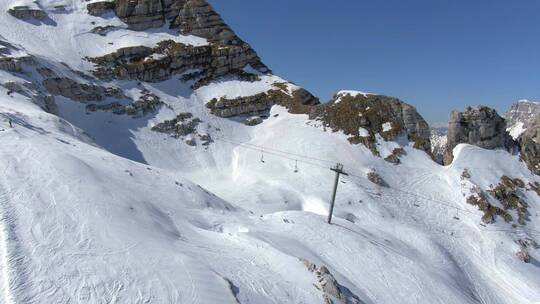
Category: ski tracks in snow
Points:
column 12, row 270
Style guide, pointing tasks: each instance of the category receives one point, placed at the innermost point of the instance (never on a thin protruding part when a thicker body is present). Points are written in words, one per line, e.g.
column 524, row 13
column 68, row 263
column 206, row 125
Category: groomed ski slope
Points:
column 97, row 208
column 88, row 226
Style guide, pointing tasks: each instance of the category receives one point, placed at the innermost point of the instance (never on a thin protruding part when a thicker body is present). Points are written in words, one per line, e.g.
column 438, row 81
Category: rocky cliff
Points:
column 520, row 115
column 480, row 126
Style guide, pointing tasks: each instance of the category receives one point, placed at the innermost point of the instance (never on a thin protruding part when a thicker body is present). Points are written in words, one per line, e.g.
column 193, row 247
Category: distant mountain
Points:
column 520, row 116
column 438, row 140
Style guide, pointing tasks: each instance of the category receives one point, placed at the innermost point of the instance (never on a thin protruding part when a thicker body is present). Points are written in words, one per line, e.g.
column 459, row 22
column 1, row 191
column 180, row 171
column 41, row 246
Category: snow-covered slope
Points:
column 97, row 207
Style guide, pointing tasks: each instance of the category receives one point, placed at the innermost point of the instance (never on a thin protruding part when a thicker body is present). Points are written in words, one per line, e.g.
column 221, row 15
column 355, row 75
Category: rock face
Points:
column 226, row 53
column 261, row 103
column 480, row 126
column 141, row 14
column 194, row 17
column 170, row 58
column 198, row 18
column 520, row 115
column 363, row 116
column 529, row 143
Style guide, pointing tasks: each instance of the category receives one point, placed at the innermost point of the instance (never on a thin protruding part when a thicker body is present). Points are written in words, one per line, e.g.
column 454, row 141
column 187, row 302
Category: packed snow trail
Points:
column 5, row 272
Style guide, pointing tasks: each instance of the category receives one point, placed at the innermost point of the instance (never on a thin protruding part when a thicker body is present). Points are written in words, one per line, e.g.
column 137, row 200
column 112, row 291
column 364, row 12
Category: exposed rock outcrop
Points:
column 183, row 126
column 195, row 17
column 520, row 115
column 100, row 8
column 261, row 103
column 480, row 126
column 81, row 92
column 502, row 200
column 141, row 14
column 25, row 13
column 251, row 105
column 524, row 245
column 14, row 64
column 170, row 58
column 198, row 18
column 333, row 292
column 375, row 178
column 147, row 103
column 363, row 116
column 529, row 143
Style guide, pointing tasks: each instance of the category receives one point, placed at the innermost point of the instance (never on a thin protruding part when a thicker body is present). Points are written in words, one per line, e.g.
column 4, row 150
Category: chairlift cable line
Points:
column 276, row 152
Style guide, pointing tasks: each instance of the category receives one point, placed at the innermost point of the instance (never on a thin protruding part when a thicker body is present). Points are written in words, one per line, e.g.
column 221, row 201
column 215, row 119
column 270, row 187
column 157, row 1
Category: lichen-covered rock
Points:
column 501, row 200
column 509, row 193
column 100, row 8
column 25, row 13
column 241, row 105
column 480, row 126
column 376, row 114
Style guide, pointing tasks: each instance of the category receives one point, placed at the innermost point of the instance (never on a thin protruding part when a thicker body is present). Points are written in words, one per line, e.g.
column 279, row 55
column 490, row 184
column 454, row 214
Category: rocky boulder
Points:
column 480, row 126
column 364, row 116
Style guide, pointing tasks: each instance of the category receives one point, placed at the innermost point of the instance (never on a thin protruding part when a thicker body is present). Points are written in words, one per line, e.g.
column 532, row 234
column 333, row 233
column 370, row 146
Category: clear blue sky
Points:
column 438, row 55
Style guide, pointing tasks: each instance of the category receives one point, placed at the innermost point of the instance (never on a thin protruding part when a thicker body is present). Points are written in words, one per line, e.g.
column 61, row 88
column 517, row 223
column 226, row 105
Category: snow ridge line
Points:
column 10, row 262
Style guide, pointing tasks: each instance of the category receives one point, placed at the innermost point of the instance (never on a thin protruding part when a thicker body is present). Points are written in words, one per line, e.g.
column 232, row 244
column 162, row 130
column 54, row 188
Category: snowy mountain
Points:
column 439, row 140
column 520, row 116
column 153, row 157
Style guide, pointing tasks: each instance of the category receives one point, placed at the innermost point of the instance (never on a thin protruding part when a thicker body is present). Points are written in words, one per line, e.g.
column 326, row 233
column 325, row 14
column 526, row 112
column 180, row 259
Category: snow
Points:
column 387, row 126
column 516, row 130
column 233, row 88
column 363, row 132
column 126, row 38
column 344, row 93
column 97, row 208
column 353, row 93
